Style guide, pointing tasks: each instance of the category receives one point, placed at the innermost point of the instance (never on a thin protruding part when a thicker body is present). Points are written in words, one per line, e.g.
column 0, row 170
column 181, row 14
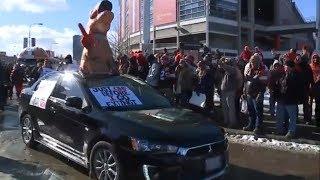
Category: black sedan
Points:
column 116, row 125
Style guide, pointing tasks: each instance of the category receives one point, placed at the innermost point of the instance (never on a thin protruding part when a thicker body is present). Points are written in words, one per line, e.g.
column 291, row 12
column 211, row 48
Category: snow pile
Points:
column 273, row 144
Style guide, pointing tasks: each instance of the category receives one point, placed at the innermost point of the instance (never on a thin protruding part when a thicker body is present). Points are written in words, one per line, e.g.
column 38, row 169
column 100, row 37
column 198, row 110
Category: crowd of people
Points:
column 291, row 80
column 14, row 75
column 241, row 82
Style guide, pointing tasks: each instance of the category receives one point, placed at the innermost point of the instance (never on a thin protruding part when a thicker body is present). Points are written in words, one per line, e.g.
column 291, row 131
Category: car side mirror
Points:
column 74, row 102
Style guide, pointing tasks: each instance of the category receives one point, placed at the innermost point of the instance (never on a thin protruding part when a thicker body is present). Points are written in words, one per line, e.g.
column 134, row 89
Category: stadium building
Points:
column 224, row 24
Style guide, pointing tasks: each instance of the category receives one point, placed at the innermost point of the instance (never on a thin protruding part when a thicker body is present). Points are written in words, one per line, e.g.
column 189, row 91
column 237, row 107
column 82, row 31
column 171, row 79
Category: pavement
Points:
column 247, row 161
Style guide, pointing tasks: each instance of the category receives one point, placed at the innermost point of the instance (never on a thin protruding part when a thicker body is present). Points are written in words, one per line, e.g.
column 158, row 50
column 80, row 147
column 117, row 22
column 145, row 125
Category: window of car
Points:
column 122, row 93
column 68, row 87
column 47, row 77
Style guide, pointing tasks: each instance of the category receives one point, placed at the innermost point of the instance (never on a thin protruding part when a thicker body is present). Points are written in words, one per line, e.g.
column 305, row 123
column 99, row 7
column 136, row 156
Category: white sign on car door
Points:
column 41, row 95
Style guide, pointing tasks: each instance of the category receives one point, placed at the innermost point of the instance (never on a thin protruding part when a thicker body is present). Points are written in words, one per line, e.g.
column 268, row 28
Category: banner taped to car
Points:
column 41, row 95
column 115, row 96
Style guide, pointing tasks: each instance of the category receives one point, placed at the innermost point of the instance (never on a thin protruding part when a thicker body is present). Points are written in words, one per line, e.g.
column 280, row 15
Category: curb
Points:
column 272, row 136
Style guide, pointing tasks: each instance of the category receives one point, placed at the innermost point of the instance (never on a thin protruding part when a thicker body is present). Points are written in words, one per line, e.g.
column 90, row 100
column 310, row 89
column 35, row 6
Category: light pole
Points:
column 34, row 24
column 178, row 24
column 208, row 23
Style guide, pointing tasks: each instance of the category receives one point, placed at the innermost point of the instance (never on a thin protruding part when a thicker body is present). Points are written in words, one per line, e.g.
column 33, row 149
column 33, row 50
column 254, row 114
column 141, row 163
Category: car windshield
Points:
column 123, row 93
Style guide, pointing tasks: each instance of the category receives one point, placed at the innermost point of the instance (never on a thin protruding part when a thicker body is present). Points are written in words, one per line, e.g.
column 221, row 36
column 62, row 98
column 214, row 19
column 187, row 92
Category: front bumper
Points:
column 163, row 166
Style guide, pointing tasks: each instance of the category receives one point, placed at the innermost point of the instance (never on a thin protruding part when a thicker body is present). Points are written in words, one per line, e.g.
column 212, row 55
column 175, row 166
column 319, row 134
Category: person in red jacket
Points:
column 178, row 57
column 246, row 54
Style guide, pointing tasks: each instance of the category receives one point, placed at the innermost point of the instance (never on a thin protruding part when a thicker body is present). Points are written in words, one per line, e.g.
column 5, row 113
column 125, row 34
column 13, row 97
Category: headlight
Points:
column 145, row 146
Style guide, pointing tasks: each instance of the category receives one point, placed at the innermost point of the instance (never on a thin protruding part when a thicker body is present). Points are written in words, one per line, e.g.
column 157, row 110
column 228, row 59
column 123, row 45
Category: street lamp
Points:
column 34, row 24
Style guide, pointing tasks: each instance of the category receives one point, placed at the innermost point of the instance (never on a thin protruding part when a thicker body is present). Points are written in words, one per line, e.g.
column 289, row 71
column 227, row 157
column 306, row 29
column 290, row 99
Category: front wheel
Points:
column 104, row 163
column 27, row 131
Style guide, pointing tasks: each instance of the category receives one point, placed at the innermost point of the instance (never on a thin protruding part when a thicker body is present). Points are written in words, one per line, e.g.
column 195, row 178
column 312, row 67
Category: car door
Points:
column 68, row 123
column 39, row 100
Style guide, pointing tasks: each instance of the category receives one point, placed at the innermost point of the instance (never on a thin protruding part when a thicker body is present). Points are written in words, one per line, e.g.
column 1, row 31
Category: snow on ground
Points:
column 273, row 144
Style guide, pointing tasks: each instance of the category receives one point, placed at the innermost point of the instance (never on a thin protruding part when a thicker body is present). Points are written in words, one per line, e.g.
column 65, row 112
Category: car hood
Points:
column 177, row 126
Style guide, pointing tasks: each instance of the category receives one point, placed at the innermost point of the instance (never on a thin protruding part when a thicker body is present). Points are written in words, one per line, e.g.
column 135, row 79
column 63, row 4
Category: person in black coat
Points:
column 290, row 89
column 205, row 85
column 303, row 67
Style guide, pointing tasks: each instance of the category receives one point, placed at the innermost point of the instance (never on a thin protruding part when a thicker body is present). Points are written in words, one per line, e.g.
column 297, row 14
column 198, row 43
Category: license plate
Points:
column 213, row 163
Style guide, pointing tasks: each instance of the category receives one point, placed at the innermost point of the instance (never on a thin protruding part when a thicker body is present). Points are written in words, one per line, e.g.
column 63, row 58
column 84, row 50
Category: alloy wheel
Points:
column 105, row 165
column 26, row 130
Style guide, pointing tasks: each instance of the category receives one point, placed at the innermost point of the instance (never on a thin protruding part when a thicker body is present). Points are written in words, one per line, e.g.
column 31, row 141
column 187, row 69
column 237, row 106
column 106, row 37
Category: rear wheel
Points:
column 27, row 131
column 104, row 162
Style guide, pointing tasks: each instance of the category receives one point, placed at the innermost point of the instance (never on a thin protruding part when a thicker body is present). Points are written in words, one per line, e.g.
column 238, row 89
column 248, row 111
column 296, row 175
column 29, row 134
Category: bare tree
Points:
column 114, row 40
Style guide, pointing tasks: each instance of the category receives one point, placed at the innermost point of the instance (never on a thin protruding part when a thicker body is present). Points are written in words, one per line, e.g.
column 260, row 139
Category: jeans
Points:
column 255, row 108
column 292, row 112
column 272, row 104
column 228, row 105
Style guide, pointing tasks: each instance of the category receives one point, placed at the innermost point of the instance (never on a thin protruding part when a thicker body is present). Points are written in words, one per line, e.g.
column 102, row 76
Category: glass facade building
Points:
column 192, row 9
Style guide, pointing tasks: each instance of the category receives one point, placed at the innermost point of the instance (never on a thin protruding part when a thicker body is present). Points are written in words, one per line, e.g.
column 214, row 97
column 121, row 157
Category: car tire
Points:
column 27, row 131
column 104, row 162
